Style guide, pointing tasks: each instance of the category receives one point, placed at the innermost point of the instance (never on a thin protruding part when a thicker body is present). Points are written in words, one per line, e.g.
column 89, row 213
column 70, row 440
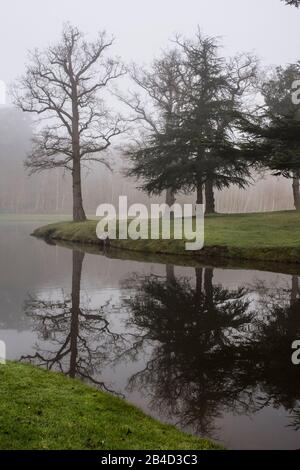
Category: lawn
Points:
column 272, row 236
column 46, row 410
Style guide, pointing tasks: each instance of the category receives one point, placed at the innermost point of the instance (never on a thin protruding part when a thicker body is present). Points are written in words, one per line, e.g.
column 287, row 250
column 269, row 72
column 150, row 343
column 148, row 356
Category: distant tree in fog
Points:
column 12, row 123
column 155, row 105
column 12, row 150
column 275, row 132
column 62, row 85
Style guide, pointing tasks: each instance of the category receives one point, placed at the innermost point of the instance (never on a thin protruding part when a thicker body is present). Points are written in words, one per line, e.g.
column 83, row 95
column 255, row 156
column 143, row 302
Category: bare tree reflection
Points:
column 80, row 337
column 209, row 350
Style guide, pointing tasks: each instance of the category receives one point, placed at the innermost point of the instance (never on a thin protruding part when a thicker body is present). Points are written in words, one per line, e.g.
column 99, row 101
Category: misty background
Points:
column 141, row 30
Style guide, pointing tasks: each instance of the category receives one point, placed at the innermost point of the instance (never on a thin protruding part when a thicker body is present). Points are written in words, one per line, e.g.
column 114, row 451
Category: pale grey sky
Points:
column 142, row 28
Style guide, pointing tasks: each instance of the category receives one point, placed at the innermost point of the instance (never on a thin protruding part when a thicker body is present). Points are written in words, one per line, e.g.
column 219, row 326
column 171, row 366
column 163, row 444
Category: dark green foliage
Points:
column 198, row 143
column 275, row 134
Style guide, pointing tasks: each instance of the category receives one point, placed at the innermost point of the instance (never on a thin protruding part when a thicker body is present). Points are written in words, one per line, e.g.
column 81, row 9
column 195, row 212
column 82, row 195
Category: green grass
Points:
column 46, row 410
column 272, row 236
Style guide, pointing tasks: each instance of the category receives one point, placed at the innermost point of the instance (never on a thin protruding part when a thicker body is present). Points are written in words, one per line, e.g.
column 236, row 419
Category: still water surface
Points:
column 206, row 349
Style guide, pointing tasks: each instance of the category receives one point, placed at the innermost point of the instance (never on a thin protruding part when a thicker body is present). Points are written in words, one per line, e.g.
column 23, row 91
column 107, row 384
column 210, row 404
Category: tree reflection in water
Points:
column 206, row 350
column 80, row 337
column 277, row 327
column 212, row 354
column 199, row 331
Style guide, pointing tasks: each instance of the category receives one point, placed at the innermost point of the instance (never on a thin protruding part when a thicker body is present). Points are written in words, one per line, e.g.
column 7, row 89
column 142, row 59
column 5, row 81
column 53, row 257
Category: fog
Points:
column 141, row 30
column 51, row 191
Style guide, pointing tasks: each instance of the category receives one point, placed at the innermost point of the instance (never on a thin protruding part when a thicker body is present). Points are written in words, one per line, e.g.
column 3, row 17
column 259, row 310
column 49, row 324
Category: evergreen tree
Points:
column 198, row 146
column 275, row 133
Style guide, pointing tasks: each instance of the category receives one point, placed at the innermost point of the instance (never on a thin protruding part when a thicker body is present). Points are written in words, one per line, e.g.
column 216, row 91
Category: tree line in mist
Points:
column 191, row 122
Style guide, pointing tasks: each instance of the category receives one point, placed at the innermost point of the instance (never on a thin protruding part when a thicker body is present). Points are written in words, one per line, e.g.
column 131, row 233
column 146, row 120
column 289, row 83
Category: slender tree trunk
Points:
column 296, row 191
column 208, row 286
column 199, row 176
column 75, row 310
column 170, row 200
column 210, row 207
column 199, row 192
column 295, row 290
column 78, row 211
column 170, row 197
column 170, row 274
column 199, row 280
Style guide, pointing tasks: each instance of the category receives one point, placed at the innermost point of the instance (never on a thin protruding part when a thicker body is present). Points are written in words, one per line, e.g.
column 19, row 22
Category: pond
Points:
column 207, row 349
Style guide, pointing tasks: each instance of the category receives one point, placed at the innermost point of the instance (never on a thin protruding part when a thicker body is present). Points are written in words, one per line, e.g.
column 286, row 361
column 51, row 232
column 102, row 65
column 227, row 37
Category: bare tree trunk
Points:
column 199, row 279
column 210, row 207
column 296, row 191
column 78, row 211
column 208, row 286
column 170, row 197
column 170, row 200
column 199, row 192
column 295, row 290
column 75, row 310
column 170, row 274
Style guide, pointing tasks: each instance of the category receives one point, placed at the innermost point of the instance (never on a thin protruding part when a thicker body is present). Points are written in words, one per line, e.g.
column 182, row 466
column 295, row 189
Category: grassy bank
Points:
column 45, row 410
column 273, row 236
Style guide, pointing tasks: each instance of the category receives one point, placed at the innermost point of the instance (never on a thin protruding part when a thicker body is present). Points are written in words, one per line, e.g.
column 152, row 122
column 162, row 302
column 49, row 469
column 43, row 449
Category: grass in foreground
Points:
column 45, row 410
column 272, row 236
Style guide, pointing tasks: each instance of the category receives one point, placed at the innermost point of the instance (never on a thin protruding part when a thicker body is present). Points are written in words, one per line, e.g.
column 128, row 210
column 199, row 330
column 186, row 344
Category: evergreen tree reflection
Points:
column 199, row 331
column 212, row 352
column 277, row 326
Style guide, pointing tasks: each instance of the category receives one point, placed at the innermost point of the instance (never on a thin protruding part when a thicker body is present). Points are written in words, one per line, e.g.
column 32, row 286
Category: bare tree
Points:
column 156, row 103
column 62, row 85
